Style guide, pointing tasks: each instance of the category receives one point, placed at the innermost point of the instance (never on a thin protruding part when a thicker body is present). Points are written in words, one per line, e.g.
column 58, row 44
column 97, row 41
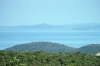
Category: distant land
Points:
column 47, row 27
column 54, row 47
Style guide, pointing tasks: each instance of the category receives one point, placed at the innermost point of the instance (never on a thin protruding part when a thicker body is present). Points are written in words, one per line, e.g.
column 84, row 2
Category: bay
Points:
column 73, row 38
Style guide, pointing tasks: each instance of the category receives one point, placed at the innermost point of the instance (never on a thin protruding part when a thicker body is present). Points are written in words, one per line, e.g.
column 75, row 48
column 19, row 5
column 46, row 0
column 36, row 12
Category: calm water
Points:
column 69, row 38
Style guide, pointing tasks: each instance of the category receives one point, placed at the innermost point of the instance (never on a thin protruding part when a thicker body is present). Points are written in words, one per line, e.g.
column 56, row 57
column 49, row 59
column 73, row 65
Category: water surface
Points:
column 73, row 38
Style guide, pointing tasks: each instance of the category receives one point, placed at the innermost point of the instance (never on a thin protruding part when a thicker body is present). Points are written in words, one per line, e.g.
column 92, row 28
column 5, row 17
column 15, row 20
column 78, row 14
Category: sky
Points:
column 56, row 12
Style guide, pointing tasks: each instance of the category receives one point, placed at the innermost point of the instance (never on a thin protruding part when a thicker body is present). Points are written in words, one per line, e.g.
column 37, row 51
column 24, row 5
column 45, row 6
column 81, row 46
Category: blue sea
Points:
column 73, row 38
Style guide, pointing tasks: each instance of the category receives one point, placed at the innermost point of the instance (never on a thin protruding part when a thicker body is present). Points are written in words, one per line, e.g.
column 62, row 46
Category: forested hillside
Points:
column 54, row 47
column 44, row 46
column 40, row 58
column 90, row 49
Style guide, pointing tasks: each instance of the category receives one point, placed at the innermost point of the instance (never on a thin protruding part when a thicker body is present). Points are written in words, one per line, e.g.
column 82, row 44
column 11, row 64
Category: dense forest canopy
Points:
column 41, row 58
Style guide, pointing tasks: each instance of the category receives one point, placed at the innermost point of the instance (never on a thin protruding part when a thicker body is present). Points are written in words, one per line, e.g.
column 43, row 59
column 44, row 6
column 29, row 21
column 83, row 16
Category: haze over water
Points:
column 55, row 12
column 73, row 38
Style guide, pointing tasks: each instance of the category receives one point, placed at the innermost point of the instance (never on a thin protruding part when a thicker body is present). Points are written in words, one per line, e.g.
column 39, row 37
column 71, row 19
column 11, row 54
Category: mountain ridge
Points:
column 45, row 46
column 54, row 47
column 44, row 26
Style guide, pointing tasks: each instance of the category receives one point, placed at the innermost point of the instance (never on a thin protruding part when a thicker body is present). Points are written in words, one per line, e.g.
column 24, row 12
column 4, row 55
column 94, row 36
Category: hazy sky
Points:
column 29, row 12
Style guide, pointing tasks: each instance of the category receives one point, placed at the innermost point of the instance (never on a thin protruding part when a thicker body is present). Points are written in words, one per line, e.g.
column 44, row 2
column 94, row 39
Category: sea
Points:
column 72, row 38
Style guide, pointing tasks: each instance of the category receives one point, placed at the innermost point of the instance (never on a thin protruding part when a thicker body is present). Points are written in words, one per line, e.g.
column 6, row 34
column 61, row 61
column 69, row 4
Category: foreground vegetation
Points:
column 40, row 58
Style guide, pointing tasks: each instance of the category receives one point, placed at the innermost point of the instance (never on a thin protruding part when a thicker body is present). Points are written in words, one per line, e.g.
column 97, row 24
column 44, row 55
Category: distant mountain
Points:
column 90, row 49
column 46, row 27
column 44, row 46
